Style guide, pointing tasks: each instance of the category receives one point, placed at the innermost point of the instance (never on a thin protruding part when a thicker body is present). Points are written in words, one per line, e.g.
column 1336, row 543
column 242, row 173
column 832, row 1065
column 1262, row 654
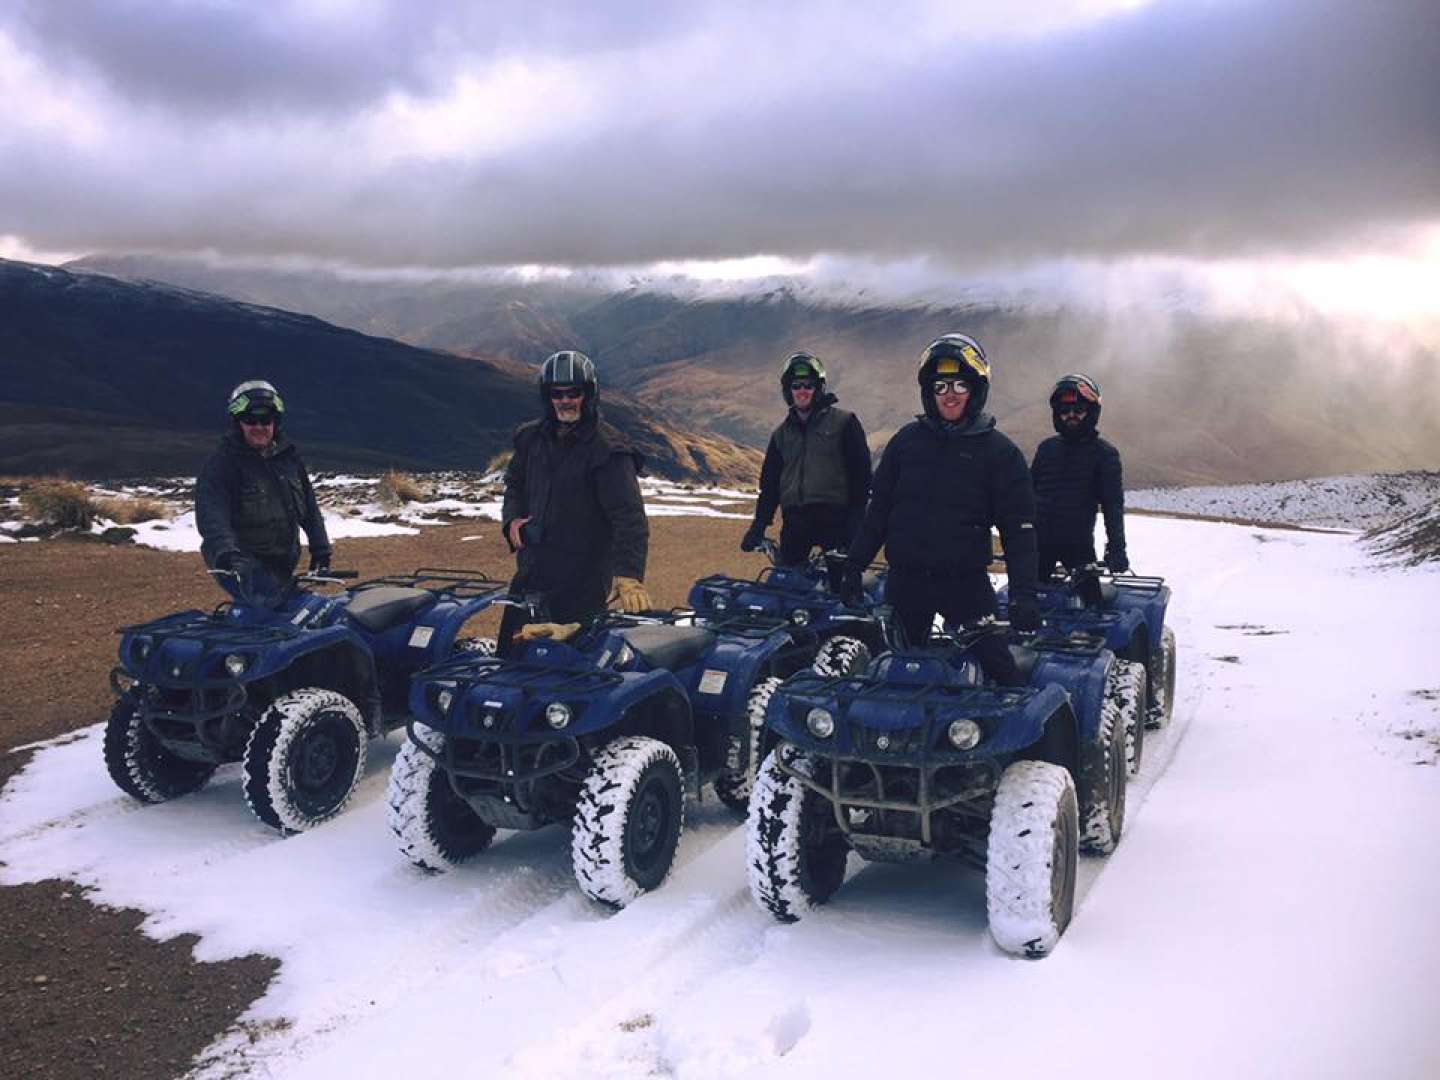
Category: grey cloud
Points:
column 1210, row 129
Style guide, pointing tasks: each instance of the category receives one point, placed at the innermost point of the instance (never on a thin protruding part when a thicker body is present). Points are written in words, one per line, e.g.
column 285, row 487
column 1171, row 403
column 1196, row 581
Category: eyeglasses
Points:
column 257, row 420
column 801, row 384
column 566, row 393
column 949, row 386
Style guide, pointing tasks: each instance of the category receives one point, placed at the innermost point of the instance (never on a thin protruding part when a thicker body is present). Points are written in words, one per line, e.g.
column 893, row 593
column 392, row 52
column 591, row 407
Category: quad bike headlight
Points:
column 143, row 648
column 557, row 714
column 964, row 734
column 444, row 698
column 719, row 601
column 820, row 723
column 236, row 664
column 800, row 617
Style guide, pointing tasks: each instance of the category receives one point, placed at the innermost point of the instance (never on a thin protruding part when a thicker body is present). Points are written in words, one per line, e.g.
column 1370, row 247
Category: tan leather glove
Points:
column 633, row 597
column 556, row 631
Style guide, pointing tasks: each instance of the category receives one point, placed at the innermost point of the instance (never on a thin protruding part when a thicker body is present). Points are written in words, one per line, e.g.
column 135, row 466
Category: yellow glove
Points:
column 556, row 631
column 633, row 597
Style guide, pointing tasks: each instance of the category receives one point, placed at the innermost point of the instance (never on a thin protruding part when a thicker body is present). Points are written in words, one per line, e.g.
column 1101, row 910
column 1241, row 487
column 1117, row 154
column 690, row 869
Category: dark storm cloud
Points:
column 1204, row 128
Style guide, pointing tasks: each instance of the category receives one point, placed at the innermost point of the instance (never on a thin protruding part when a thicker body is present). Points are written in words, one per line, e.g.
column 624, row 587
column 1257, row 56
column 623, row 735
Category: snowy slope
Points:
column 1271, row 910
column 1337, row 502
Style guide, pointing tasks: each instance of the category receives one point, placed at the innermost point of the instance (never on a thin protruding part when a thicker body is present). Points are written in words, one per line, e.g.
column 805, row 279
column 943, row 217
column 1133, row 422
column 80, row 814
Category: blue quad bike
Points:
column 605, row 732
column 920, row 756
column 1127, row 612
column 808, row 594
column 293, row 693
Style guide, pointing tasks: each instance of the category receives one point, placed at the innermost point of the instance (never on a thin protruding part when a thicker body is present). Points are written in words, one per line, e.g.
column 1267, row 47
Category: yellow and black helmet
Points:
column 955, row 356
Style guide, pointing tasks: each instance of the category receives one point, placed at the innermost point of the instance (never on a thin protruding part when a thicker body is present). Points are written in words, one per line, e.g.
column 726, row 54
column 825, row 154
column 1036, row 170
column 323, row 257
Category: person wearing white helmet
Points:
column 253, row 498
column 943, row 481
column 816, row 468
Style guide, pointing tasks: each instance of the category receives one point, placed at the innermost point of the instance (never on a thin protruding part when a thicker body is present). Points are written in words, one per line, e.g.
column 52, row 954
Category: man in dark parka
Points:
column 573, row 513
column 1076, row 473
column 252, row 499
column 944, row 479
column 816, row 468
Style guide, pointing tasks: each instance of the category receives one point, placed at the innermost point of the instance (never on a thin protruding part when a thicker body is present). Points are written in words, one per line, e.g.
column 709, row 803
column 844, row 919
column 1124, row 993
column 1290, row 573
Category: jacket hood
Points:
column 980, row 424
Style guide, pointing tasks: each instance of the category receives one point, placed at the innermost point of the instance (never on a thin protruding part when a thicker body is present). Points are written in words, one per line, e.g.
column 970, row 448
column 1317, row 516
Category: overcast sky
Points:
column 952, row 134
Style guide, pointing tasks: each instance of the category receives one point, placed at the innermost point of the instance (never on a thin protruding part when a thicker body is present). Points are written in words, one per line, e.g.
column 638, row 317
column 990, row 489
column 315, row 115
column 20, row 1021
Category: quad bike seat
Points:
column 669, row 647
column 1025, row 659
column 385, row 606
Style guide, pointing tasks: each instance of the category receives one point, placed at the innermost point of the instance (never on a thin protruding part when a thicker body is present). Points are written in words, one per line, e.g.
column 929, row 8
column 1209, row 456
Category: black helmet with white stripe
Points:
column 569, row 367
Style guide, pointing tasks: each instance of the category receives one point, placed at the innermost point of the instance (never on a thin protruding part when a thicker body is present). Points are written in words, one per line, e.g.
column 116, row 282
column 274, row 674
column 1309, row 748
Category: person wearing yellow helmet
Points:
column 943, row 481
column 816, row 468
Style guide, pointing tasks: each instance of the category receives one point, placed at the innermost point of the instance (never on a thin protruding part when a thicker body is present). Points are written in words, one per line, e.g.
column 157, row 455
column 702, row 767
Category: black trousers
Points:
column 574, row 601
column 1070, row 556
column 803, row 528
column 964, row 597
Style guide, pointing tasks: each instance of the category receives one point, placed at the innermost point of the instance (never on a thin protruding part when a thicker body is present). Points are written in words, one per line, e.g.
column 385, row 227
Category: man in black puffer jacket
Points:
column 1076, row 473
column 816, row 468
column 253, row 497
column 943, row 481
column 573, row 514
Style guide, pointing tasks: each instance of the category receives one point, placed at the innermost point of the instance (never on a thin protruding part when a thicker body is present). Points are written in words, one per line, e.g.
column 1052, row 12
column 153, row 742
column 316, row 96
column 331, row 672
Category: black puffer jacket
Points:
column 938, row 490
column 1075, row 477
column 580, row 492
column 256, row 504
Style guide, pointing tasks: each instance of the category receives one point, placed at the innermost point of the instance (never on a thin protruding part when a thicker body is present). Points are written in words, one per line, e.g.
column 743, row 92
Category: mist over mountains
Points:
column 104, row 377
column 1191, row 396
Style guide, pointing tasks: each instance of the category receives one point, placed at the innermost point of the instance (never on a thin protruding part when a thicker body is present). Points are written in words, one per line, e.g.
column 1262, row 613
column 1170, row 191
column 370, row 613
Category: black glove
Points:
column 752, row 538
column 1024, row 614
column 1115, row 558
column 319, row 562
column 226, row 560
column 852, row 587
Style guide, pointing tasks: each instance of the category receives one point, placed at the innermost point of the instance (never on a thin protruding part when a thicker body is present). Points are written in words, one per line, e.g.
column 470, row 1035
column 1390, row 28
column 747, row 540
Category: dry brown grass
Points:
column 57, row 501
column 396, row 489
column 498, row 462
column 125, row 511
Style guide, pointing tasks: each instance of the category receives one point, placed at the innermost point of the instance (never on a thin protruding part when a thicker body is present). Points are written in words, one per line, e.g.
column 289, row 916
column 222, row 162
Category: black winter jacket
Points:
column 822, row 460
column 937, row 492
column 1073, row 478
column 580, row 492
column 256, row 504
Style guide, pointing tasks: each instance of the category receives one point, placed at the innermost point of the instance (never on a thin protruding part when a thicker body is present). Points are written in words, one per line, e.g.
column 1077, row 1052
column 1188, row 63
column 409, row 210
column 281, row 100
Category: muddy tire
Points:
column 1125, row 686
column 628, row 820
column 795, row 854
column 1101, row 782
column 474, row 646
column 138, row 763
column 434, row 827
column 1031, row 858
column 1162, row 681
column 304, row 759
column 841, row 656
column 733, row 788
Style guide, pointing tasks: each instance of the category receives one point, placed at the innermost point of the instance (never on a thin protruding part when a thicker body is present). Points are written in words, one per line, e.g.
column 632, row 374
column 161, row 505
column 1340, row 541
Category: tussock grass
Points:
column 498, row 462
column 396, row 489
column 130, row 511
column 58, row 501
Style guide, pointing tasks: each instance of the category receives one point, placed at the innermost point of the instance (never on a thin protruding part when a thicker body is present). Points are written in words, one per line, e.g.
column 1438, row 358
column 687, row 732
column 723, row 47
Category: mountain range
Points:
column 1192, row 396
column 106, row 377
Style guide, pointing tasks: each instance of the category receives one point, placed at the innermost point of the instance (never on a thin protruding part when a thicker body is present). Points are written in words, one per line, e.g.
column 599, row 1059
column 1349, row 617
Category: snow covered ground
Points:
column 1338, row 502
column 1272, row 911
column 353, row 508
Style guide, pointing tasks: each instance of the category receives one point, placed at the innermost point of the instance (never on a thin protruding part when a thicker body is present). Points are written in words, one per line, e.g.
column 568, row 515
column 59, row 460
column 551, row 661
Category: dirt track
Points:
column 82, row 992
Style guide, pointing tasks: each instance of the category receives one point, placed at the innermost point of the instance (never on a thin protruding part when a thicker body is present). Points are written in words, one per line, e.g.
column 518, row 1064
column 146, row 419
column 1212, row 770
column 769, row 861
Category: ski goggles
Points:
column 1071, row 410
column 949, row 386
column 566, row 393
